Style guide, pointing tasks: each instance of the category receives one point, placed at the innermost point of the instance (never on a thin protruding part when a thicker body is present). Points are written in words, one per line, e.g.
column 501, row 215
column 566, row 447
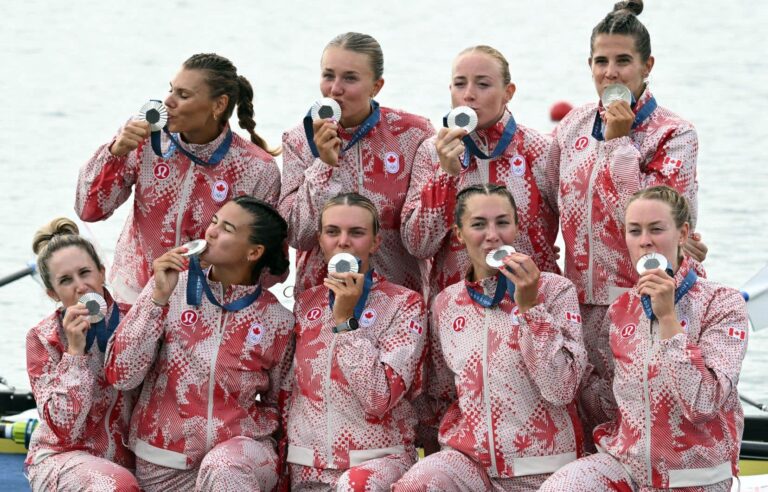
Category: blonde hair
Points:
column 681, row 213
column 493, row 53
column 352, row 199
column 58, row 234
column 363, row 44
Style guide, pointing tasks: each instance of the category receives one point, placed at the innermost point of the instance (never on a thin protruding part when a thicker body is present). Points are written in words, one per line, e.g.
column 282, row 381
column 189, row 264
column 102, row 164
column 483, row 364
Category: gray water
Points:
column 73, row 71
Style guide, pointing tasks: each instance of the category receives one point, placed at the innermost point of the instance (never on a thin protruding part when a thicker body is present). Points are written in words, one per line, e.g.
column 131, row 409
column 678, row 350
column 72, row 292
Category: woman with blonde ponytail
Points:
column 181, row 175
column 84, row 422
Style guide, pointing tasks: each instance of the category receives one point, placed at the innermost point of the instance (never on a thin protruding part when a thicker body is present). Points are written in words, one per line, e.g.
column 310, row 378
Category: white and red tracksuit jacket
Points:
column 428, row 212
column 503, row 384
column 78, row 409
column 202, row 369
column 174, row 199
column 597, row 178
column 350, row 401
column 377, row 167
column 678, row 421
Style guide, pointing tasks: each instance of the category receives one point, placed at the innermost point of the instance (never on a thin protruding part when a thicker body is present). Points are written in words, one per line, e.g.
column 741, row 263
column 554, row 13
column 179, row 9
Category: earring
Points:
column 215, row 117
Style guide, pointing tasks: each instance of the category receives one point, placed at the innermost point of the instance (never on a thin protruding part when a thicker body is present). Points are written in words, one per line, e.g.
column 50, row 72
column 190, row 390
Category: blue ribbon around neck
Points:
column 197, row 284
column 685, row 286
column 363, row 130
column 216, row 157
column 599, row 133
column 471, row 147
column 360, row 306
column 102, row 330
column 503, row 286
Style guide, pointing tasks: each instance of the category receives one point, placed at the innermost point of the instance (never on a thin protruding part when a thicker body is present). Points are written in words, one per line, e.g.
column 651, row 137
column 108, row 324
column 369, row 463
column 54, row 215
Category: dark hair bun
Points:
column 59, row 226
column 633, row 6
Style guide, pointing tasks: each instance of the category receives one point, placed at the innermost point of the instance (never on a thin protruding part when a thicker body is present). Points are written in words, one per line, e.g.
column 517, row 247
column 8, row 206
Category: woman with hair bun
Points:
column 675, row 421
column 212, row 349
column 204, row 165
column 604, row 153
column 371, row 151
column 84, row 422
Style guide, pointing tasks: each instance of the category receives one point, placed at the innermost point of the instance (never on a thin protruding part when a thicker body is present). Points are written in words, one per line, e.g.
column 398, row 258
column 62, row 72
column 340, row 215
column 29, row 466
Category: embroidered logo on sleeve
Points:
column 670, row 163
column 573, row 317
column 415, row 327
column 737, row 333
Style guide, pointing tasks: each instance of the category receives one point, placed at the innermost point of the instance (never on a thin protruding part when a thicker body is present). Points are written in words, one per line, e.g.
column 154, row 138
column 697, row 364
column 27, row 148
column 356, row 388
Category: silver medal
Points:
column 96, row 306
column 154, row 113
column 342, row 263
column 326, row 109
column 462, row 117
column 195, row 247
column 616, row 92
column 652, row 261
column 495, row 258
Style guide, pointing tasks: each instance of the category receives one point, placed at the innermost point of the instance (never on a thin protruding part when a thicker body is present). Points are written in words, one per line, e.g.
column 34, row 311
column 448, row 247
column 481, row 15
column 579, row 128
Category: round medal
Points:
column 154, row 113
column 462, row 117
column 96, row 306
column 342, row 263
column 195, row 247
column 652, row 261
column 326, row 108
column 495, row 258
column 616, row 92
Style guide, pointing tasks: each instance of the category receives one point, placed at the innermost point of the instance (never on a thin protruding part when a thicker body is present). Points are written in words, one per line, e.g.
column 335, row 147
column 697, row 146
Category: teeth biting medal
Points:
column 495, row 258
column 96, row 306
column 326, row 108
column 462, row 117
column 155, row 113
column 342, row 263
column 195, row 247
column 652, row 261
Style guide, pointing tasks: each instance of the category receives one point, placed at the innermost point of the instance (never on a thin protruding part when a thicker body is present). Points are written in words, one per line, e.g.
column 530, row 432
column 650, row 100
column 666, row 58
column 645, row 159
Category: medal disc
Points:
column 462, row 117
column 496, row 257
column 325, row 109
column 195, row 247
column 652, row 261
column 342, row 263
column 616, row 92
column 96, row 306
column 154, row 113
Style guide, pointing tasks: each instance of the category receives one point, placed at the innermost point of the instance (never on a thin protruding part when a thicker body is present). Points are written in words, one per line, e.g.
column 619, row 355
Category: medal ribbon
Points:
column 640, row 117
column 367, row 284
column 366, row 126
column 503, row 285
column 197, row 284
column 471, row 147
column 685, row 286
column 102, row 331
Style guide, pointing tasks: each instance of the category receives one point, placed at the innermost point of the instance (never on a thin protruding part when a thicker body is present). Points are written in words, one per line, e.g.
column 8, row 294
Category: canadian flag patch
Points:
column 672, row 163
column 415, row 327
column 737, row 333
column 573, row 317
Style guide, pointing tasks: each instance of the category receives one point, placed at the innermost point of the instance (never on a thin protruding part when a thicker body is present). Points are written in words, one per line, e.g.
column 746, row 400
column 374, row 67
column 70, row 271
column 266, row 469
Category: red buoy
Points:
column 559, row 110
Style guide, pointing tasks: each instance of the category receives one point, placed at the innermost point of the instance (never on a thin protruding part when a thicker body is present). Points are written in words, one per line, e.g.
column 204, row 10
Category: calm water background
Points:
column 72, row 72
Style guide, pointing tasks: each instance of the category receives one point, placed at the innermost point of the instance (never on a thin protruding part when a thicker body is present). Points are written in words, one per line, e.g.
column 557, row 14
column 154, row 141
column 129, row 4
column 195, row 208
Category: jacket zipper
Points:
column 211, row 380
column 647, row 392
column 486, row 393
column 359, row 168
column 589, row 295
column 328, row 431
column 182, row 203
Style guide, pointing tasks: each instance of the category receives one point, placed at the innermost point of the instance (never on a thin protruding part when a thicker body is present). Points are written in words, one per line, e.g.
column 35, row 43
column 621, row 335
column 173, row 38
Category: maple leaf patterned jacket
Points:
column 427, row 215
column 202, row 369
column 501, row 384
column 597, row 178
column 79, row 409
column 351, row 399
column 377, row 167
column 677, row 420
column 174, row 199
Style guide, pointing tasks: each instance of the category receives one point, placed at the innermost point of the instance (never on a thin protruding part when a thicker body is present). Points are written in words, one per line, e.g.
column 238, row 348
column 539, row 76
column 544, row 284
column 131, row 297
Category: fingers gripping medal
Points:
column 652, row 261
column 155, row 113
column 194, row 248
column 342, row 263
column 96, row 306
column 495, row 258
column 616, row 92
column 462, row 117
column 325, row 109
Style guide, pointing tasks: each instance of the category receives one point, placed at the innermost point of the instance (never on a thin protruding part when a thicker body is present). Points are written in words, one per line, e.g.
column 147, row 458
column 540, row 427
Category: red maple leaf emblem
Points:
column 391, row 158
column 220, row 187
column 522, row 442
column 545, row 430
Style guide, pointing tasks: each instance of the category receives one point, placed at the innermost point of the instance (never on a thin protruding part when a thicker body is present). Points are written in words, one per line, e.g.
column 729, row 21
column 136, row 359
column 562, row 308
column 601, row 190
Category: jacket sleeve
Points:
column 134, row 346
column 704, row 374
column 551, row 344
column 306, row 186
column 381, row 373
column 427, row 213
column 63, row 386
column 673, row 164
column 105, row 182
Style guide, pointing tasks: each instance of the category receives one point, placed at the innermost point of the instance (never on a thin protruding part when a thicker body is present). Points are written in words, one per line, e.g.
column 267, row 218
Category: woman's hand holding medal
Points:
column 660, row 288
column 133, row 133
column 618, row 120
column 166, row 269
column 524, row 273
column 450, row 148
column 347, row 288
column 327, row 141
column 76, row 325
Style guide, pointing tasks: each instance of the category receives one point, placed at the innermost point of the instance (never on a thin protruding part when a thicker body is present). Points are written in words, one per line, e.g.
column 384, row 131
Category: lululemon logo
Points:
column 314, row 314
column 628, row 331
column 162, row 170
column 581, row 143
column 188, row 317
